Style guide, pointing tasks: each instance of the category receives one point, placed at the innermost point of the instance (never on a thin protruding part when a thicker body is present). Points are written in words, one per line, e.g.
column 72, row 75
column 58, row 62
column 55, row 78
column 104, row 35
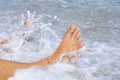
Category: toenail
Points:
column 72, row 27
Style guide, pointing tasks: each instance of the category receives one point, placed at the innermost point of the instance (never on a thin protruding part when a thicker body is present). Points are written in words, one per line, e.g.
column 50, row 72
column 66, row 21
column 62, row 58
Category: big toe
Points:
column 72, row 28
column 75, row 34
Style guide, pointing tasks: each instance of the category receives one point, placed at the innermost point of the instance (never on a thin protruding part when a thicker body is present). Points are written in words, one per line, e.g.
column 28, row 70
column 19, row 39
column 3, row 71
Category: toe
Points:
column 75, row 34
column 72, row 28
column 80, row 43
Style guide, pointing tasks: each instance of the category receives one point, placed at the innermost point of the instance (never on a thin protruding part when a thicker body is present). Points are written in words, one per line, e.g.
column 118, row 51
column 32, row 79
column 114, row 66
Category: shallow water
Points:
column 99, row 21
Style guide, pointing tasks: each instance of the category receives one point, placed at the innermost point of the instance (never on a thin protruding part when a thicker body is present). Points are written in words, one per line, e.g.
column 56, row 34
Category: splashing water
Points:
column 99, row 24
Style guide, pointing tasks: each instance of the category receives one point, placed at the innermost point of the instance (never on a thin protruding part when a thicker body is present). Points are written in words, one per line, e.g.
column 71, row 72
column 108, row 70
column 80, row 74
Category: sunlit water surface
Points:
column 99, row 21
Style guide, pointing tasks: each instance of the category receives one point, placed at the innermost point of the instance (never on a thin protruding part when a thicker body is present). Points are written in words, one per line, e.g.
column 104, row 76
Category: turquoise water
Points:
column 99, row 21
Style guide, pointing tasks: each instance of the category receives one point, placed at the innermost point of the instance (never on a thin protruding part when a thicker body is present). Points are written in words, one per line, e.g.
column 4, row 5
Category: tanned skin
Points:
column 71, row 42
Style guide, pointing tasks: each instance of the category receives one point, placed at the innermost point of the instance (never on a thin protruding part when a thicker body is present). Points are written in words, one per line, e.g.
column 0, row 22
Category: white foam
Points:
column 57, row 71
column 98, row 60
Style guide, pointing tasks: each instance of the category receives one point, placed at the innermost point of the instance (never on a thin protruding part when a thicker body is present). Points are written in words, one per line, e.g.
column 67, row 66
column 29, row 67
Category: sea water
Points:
column 98, row 20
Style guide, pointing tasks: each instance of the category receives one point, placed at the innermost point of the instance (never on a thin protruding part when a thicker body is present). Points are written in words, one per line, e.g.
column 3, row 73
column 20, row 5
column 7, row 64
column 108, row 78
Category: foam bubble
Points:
column 57, row 71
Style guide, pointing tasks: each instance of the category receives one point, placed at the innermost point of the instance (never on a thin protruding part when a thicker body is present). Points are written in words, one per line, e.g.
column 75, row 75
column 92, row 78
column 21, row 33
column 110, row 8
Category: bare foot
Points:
column 72, row 41
column 30, row 19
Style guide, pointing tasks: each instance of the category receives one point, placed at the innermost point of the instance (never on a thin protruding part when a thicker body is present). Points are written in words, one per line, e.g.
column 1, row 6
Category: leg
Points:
column 71, row 42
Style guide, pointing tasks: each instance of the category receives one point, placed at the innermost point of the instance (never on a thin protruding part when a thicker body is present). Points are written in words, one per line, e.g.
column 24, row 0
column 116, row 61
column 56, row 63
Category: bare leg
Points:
column 71, row 41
